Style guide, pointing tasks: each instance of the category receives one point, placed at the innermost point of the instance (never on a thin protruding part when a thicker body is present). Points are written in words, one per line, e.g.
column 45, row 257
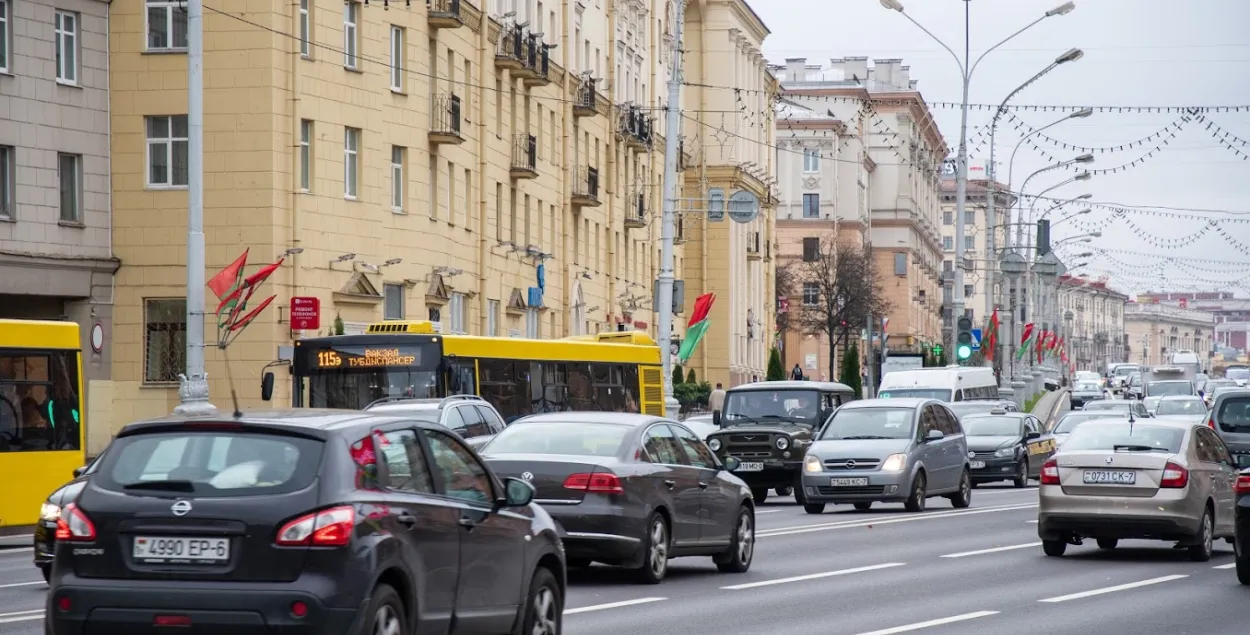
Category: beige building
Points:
column 1095, row 334
column 56, row 261
column 902, row 150
column 1156, row 331
column 421, row 162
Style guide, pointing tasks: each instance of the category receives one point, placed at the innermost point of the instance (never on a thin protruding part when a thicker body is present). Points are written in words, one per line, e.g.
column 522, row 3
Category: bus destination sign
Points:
column 348, row 357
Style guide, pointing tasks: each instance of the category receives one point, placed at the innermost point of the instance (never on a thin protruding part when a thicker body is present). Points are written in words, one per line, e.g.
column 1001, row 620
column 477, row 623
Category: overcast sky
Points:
column 1137, row 53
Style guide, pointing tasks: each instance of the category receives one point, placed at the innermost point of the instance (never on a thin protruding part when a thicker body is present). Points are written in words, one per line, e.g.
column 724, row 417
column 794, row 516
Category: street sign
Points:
column 976, row 339
column 305, row 313
column 715, row 205
column 744, row 206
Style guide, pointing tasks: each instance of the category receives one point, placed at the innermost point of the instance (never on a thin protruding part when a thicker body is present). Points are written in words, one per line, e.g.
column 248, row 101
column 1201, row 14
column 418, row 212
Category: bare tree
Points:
column 785, row 283
column 839, row 289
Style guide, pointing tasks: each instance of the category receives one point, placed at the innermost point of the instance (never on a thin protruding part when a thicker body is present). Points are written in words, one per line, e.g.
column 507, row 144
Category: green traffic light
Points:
column 963, row 352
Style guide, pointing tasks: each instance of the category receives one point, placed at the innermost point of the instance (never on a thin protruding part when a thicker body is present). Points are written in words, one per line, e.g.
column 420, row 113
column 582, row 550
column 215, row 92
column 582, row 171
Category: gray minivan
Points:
column 890, row 451
column 1230, row 418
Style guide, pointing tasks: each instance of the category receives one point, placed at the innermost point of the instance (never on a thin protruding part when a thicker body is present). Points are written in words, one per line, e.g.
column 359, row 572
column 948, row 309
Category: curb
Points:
column 1055, row 408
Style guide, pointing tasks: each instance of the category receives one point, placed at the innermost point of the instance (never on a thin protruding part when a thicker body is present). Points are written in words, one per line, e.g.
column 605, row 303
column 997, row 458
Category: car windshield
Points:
column 1086, row 375
column 991, row 426
column 1237, row 373
column 770, row 407
column 1165, row 388
column 1088, row 387
column 1234, row 414
column 1181, row 406
column 870, row 423
column 1070, row 421
column 1124, row 435
column 1125, row 371
column 1118, row 404
column 964, row 408
column 571, row 438
column 1216, row 384
column 941, row 394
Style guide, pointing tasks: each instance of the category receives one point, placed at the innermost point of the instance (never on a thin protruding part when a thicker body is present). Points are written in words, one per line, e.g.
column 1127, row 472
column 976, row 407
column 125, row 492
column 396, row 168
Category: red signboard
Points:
column 305, row 314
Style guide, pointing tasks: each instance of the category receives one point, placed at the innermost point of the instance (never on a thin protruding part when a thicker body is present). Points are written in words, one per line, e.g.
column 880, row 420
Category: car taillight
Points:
column 1242, row 486
column 1050, row 473
column 74, row 526
column 1211, row 420
column 595, row 483
column 327, row 528
column 1174, row 476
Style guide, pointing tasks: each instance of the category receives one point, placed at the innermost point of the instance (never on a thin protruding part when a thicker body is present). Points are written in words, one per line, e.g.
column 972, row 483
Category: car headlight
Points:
column 783, row 443
column 894, row 463
column 812, row 463
column 714, row 444
column 1003, row 452
column 50, row 512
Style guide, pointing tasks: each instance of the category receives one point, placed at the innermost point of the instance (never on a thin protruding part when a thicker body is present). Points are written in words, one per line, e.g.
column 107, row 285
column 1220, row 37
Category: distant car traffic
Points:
column 302, row 521
column 631, row 490
column 965, row 408
column 1084, row 392
column 888, row 450
column 1157, row 479
column 1006, row 447
column 1069, row 421
column 470, row 416
column 1122, row 405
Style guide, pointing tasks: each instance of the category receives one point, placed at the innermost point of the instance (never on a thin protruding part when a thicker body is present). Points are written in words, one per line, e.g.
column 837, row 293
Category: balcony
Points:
column 511, row 53
column 638, row 209
column 445, row 120
column 537, row 57
column 634, row 127
column 524, row 156
column 444, row 14
column 585, row 100
column 679, row 233
column 754, row 251
column 585, row 187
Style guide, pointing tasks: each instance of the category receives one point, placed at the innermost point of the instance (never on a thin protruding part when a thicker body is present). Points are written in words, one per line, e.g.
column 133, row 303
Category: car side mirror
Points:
column 934, row 435
column 266, row 386
column 517, row 493
column 730, row 463
column 1029, row 436
column 78, row 471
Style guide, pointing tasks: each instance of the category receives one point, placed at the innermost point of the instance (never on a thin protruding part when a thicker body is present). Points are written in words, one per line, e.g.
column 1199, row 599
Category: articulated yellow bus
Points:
column 41, row 421
column 619, row 371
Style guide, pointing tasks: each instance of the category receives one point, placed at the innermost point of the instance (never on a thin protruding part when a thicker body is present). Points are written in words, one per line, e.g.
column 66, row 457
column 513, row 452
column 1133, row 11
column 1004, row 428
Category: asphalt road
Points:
column 978, row 571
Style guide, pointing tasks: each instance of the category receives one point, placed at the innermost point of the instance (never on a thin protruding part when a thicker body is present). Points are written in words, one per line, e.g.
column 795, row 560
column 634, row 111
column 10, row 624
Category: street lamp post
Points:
column 668, row 218
column 966, row 71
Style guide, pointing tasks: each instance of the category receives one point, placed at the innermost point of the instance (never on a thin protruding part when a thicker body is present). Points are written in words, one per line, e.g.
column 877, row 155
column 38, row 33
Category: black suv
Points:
column 470, row 416
column 768, row 427
column 304, row 521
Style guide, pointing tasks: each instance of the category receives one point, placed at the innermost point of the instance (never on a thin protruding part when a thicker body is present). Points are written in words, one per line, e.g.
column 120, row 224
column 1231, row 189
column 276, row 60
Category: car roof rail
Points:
column 451, row 398
column 387, row 399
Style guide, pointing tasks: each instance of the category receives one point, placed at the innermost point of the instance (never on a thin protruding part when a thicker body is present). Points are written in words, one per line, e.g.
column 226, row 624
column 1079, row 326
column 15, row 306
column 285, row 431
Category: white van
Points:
column 952, row 383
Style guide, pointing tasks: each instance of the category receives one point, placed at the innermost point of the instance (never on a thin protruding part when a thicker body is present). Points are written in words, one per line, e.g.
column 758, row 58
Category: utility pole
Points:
column 193, row 391
column 961, row 185
column 668, row 221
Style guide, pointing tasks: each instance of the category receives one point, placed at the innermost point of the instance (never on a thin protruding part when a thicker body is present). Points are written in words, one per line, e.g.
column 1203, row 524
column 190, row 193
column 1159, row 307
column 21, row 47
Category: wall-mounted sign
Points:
column 715, row 205
column 305, row 313
column 744, row 207
column 97, row 338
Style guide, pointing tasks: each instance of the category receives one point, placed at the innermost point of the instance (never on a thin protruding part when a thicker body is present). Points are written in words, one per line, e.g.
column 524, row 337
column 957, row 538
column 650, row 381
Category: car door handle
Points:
column 468, row 523
column 406, row 519
column 670, row 483
column 702, row 485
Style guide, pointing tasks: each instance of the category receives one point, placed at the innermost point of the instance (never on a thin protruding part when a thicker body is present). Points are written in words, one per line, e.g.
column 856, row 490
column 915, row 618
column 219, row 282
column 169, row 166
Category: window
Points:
column 167, row 25
column 492, row 318
column 811, row 293
column 164, row 340
column 811, row 249
column 811, row 206
column 948, row 243
column 662, row 447
column 393, row 302
column 4, row 35
column 461, row 475
column 455, row 304
column 66, row 47
column 8, row 160
column 69, row 168
column 531, row 323
column 699, row 454
column 811, row 160
column 970, row 217
column 167, row 151
column 305, row 154
column 900, row 264
column 39, row 401
column 397, row 59
column 968, row 290
column 351, row 36
column 305, row 29
column 970, row 242
column 406, row 469
column 351, row 158
column 397, row 177
column 948, row 218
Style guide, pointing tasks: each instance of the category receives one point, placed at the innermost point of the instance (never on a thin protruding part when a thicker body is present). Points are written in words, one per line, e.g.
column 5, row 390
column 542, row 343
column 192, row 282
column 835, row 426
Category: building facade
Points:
column 905, row 149
column 1094, row 317
column 1155, row 331
column 496, row 169
column 1232, row 314
column 56, row 260
column 979, row 250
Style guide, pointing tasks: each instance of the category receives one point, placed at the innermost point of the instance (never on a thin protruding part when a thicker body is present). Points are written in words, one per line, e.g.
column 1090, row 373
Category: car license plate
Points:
column 753, row 466
column 1109, row 477
column 977, row 465
column 167, row 550
column 848, row 482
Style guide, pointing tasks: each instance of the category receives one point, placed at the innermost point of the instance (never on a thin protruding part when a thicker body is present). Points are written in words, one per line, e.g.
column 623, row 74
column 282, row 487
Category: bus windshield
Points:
column 353, row 374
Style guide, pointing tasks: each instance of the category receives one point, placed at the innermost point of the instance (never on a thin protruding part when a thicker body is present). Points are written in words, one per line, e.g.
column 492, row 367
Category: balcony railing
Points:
column 524, row 156
column 753, row 246
column 537, row 57
column 584, row 103
column 444, row 14
column 638, row 207
column 585, row 187
column 445, row 118
column 511, row 53
column 635, row 127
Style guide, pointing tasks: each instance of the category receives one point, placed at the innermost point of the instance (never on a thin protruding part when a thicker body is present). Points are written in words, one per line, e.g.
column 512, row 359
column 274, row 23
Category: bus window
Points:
column 549, row 386
column 504, row 387
column 462, row 378
column 581, row 387
column 39, row 405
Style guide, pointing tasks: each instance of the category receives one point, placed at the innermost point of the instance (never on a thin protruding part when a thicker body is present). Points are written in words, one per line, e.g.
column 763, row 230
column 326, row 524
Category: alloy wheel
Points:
column 746, row 538
column 545, row 618
column 386, row 622
column 658, row 560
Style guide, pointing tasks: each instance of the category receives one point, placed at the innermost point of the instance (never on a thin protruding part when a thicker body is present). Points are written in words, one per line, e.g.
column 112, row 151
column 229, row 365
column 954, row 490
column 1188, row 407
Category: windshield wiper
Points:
column 735, row 416
column 863, row 436
column 173, row 485
column 1134, row 448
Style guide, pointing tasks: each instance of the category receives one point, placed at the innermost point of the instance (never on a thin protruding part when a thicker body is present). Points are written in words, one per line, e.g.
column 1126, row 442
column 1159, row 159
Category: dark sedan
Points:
column 630, row 490
column 50, row 512
column 1241, row 518
column 1006, row 447
column 1084, row 392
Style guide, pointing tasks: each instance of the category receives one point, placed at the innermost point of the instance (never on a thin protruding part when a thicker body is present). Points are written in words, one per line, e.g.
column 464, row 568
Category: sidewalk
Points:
column 1046, row 407
column 18, row 541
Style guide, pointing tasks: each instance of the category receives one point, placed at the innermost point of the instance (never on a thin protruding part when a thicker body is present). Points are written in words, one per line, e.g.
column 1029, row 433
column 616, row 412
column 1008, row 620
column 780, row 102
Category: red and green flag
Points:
column 698, row 325
column 989, row 343
column 1025, row 338
column 234, row 290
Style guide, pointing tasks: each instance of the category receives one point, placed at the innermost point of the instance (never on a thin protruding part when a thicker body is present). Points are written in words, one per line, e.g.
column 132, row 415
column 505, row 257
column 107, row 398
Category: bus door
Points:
column 460, row 376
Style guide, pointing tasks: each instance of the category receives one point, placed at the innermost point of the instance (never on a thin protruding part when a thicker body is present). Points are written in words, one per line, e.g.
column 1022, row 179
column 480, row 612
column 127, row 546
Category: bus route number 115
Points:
column 328, row 359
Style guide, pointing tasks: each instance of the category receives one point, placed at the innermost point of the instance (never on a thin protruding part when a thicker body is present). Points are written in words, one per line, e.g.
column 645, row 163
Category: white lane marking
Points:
column 769, row 511
column 978, row 552
column 612, row 605
column 1231, row 565
column 938, row 622
column 17, row 584
column 1113, row 589
column 1031, row 522
column 884, row 520
column 21, row 616
column 812, row 576
column 983, row 492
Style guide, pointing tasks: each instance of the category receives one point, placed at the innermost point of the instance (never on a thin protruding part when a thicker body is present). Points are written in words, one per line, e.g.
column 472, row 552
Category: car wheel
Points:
column 1054, row 548
column 47, row 572
column 784, row 491
column 1108, row 543
column 800, row 495
column 916, row 501
column 386, row 613
column 1022, row 473
column 545, row 606
column 760, row 495
column 655, row 551
column 863, row 507
column 1201, row 552
column 963, row 498
column 737, row 558
column 1243, row 564
column 814, row 508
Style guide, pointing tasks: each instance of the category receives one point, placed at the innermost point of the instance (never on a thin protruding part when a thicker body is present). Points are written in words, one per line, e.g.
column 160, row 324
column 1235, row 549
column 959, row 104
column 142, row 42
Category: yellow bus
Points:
column 41, row 420
column 617, row 371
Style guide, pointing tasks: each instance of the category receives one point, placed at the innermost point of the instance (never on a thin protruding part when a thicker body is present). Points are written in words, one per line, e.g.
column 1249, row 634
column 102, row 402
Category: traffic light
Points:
column 963, row 339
